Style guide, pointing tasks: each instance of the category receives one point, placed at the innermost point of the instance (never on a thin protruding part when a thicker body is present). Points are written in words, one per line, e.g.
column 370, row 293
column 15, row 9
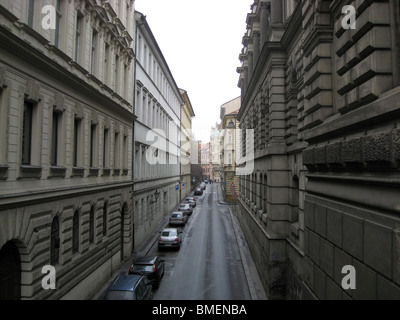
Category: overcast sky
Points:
column 201, row 42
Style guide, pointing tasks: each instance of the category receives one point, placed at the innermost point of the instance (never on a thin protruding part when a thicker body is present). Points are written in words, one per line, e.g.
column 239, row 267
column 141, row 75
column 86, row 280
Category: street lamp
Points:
column 155, row 196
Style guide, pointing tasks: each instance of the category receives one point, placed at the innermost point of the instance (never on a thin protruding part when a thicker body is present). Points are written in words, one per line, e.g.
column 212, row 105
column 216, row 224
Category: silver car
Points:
column 191, row 201
column 186, row 208
column 178, row 218
column 170, row 238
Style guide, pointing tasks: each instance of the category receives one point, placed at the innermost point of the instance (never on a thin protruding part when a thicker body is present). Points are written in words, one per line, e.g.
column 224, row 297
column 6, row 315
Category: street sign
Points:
column 177, row 187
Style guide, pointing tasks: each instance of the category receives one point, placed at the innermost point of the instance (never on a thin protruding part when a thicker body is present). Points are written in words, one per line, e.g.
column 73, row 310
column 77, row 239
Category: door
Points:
column 10, row 272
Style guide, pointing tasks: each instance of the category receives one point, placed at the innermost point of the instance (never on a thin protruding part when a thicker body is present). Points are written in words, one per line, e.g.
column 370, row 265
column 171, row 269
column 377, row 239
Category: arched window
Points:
column 105, row 219
column 91, row 225
column 75, row 232
column 55, row 241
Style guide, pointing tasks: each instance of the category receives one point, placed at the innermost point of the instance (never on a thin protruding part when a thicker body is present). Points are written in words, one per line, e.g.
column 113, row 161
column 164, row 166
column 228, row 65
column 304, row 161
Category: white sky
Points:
column 201, row 42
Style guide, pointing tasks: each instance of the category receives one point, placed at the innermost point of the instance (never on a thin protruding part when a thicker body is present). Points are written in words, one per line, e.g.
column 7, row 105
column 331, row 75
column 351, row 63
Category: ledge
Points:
column 3, row 172
column 57, row 172
column 30, row 172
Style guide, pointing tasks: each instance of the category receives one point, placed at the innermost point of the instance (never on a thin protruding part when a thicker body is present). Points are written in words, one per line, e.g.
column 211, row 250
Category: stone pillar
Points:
column 250, row 66
column 256, row 47
column 276, row 11
column 263, row 22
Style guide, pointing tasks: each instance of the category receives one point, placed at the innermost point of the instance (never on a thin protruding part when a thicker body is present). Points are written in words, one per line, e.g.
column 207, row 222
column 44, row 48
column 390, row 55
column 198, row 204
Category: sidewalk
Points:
column 256, row 288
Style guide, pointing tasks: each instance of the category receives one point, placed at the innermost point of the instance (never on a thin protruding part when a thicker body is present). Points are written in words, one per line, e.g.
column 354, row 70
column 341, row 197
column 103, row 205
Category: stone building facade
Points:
column 230, row 147
column 65, row 137
column 187, row 145
column 157, row 134
column 324, row 102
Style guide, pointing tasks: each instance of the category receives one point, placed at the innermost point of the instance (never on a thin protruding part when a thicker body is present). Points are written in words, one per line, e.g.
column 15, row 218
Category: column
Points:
column 256, row 47
column 276, row 11
column 263, row 22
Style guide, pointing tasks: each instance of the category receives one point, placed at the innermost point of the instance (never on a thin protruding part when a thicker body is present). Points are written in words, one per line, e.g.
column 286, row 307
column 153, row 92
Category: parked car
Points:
column 178, row 218
column 186, row 208
column 191, row 201
column 130, row 287
column 170, row 237
column 151, row 267
column 203, row 186
column 206, row 181
column 198, row 191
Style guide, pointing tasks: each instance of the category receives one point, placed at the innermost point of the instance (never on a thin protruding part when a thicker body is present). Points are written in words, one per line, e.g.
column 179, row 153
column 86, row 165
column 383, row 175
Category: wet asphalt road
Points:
column 208, row 266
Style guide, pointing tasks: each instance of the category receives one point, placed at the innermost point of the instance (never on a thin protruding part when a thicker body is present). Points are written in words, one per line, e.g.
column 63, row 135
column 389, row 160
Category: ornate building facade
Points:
column 324, row 102
column 65, row 136
column 187, row 145
column 157, row 134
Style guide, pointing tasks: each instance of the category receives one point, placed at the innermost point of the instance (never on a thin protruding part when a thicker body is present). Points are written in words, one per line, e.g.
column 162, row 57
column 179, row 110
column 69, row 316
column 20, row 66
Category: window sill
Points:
column 116, row 172
column 94, row 172
column 57, row 172
column 30, row 172
column 78, row 172
column 106, row 172
column 125, row 172
column 3, row 172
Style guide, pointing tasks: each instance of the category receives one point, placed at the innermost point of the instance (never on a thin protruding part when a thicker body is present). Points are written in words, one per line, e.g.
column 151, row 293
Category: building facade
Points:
column 157, row 134
column 187, row 145
column 205, row 160
column 65, row 135
column 323, row 101
column 215, row 152
column 230, row 145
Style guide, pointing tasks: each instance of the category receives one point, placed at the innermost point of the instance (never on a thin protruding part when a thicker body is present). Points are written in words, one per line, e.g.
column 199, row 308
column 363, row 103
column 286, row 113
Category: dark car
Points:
column 151, row 267
column 198, row 192
column 130, row 287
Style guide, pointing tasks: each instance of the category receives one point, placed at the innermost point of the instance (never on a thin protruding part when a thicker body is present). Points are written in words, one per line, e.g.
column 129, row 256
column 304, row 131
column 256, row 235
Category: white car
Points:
column 186, row 208
column 170, row 237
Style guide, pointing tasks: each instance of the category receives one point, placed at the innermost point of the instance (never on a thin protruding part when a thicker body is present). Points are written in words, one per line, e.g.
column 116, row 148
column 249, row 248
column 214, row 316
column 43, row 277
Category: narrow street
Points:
column 208, row 266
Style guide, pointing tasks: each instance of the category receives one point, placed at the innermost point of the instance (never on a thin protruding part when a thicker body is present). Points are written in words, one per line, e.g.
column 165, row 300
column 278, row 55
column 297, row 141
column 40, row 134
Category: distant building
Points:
column 205, row 160
column 230, row 146
column 215, row 153
column 157, row 134
column 187, row 115
column 66, row 117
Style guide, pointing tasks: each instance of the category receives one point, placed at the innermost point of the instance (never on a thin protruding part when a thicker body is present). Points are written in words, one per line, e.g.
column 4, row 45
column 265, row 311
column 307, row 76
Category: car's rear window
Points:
column 142, row 268
column 168, row 233
column 120, row 295
column 175, row 215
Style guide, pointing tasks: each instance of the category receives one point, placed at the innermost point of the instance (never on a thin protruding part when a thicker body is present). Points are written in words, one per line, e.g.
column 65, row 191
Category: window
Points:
column 55, row 138
column 58, row 23
column 125, row 153
column 93, row 53
column 107, row 64
column 106, row 147
column 76, row 148
column 92, row 154
column 75, row 232
column 30, row 10
column 91, row 224
column 54, row 241
column 116, row 89
column 78, row 32
column 105, row 219
column 116, row 150
column 27, row 133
